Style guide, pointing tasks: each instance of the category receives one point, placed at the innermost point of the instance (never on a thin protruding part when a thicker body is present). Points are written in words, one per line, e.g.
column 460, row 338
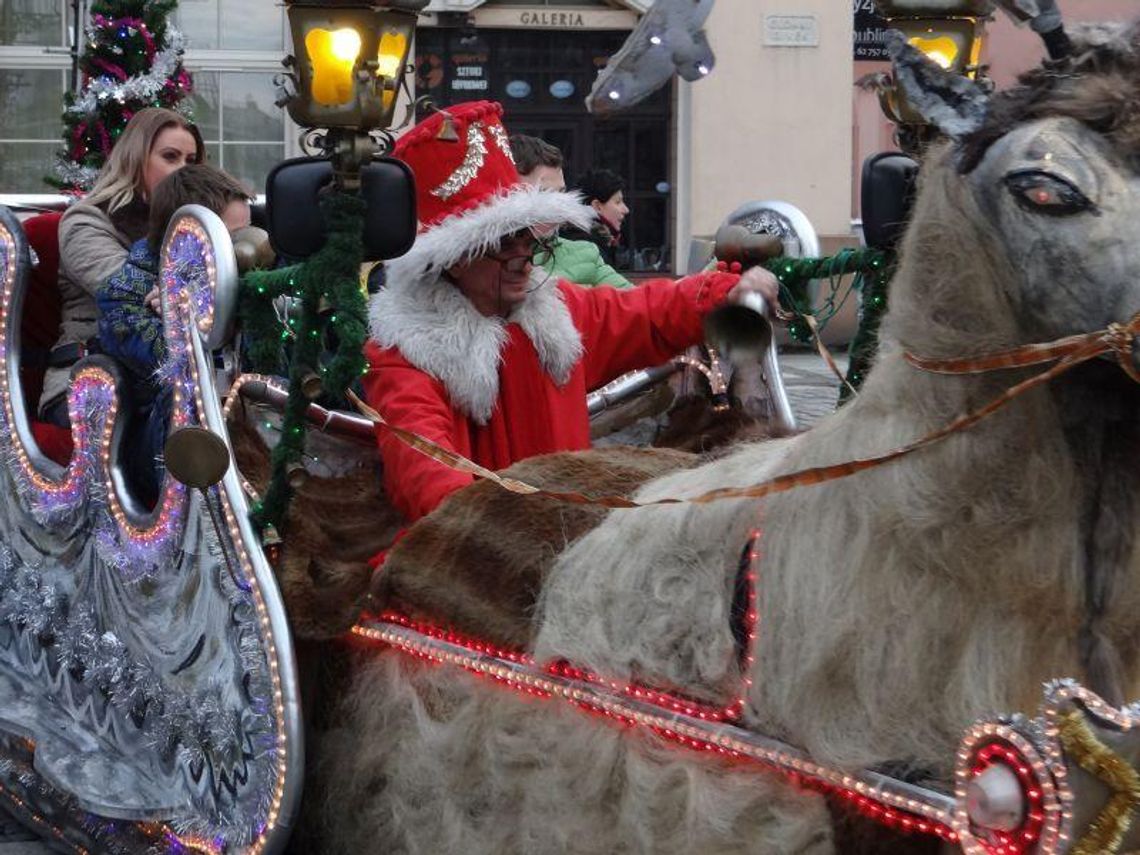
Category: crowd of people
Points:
column 485, row 337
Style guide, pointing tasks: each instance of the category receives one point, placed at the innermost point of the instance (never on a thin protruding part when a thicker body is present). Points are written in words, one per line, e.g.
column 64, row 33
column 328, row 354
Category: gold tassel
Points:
column 1106, row 833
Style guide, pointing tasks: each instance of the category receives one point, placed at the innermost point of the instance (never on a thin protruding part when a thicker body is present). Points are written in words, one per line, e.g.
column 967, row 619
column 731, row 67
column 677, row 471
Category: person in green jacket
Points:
column 578, row 261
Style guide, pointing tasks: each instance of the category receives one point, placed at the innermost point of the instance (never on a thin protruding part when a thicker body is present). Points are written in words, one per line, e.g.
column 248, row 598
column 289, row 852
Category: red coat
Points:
column 620, row 330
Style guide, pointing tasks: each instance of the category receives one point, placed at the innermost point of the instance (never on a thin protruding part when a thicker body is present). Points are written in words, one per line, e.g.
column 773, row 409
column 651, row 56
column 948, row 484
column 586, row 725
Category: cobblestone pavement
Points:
column 812, row 390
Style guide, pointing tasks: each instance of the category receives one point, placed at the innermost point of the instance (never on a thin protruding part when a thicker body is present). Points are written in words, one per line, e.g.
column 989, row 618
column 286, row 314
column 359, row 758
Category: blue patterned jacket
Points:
column 128, row 329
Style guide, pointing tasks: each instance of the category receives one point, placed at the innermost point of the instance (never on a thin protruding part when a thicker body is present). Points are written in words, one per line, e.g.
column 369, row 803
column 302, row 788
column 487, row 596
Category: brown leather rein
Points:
column 1067, row 353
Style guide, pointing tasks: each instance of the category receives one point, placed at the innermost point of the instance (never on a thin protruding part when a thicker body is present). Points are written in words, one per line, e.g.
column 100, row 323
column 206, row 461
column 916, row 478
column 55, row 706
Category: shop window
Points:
column 31, row 100
column 243, row 128
column 31, row 22
column 232, row 24
column 542, row 79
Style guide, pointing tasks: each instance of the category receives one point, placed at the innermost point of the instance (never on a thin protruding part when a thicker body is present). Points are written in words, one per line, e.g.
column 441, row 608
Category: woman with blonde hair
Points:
column 95, row 235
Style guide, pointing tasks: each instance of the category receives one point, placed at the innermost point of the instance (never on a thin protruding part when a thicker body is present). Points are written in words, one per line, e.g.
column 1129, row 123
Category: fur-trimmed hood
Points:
column 480, row 230
column 440, row 331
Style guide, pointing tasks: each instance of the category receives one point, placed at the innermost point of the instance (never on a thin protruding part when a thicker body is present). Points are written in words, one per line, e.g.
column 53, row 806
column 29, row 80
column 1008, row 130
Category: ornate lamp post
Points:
column 350, row 57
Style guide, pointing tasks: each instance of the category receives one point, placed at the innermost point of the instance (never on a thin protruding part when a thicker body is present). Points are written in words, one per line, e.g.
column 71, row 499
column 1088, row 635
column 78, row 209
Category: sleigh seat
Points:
column 39, row 329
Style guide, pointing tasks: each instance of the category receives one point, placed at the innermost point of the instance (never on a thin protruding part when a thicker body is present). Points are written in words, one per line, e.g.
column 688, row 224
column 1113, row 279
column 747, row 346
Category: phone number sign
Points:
column 870, row 31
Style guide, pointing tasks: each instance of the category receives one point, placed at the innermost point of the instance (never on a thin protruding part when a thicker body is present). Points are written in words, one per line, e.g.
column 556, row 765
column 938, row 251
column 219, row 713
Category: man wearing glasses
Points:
column 475, row 347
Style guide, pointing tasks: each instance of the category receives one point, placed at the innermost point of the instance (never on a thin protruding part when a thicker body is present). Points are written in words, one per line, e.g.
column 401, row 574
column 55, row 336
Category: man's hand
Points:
column 155, row 304
column 756, row 280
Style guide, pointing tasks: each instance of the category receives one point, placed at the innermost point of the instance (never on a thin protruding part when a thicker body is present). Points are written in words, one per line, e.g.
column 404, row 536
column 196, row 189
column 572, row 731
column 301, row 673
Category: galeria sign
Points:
column 545, row 18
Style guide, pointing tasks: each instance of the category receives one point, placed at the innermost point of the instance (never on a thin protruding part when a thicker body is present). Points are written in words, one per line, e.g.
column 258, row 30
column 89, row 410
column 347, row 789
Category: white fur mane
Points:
column 441, row 332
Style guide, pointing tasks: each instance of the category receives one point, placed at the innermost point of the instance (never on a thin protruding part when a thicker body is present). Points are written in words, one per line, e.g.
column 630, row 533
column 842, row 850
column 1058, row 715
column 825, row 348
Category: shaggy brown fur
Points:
column 477, row 562
column 1099, row 85
column 334, row 526
column 694, row 426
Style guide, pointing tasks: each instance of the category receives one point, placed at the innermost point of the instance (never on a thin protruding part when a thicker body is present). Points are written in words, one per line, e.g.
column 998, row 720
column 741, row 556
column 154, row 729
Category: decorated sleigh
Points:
column 682, row 669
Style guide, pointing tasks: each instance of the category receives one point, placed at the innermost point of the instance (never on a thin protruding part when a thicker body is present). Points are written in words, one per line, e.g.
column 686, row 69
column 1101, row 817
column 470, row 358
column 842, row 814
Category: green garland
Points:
column 866, row 341
column 872, row 269
column 333, row 310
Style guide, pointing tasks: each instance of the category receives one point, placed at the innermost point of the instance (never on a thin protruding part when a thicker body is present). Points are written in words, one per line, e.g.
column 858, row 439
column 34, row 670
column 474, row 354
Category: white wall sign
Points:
column 791, row 31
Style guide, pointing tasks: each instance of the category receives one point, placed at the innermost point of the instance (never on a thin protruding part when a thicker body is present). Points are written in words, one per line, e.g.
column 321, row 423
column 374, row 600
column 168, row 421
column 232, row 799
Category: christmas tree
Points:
column 132, row 60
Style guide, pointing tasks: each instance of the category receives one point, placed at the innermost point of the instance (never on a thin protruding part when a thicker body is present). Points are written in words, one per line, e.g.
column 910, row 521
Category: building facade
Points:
column 234, row 51
column 689, row 154
column 772, row 122
column 779, row 118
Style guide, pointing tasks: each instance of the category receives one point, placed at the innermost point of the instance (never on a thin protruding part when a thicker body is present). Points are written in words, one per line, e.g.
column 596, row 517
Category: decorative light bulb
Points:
column 345, row 44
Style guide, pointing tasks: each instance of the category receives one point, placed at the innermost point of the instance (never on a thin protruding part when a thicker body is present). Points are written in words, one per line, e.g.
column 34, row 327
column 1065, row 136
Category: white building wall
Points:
column 769, row 122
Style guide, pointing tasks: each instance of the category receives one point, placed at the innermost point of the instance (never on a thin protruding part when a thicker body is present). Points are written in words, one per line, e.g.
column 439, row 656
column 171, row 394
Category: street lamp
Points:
column 350, row 56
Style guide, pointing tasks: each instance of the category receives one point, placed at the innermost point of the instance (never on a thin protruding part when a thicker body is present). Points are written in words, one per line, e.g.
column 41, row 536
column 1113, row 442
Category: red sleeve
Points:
column 410, row 399
column 623, row 330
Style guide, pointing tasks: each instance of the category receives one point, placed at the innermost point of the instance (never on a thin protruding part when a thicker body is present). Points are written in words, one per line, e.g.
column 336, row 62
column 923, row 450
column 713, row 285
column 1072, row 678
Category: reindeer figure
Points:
column 895, row 607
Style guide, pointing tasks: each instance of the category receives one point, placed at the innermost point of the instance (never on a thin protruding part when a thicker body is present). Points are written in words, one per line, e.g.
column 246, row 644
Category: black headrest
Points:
column 258, row 216
column 297, row 229
column 888, row 193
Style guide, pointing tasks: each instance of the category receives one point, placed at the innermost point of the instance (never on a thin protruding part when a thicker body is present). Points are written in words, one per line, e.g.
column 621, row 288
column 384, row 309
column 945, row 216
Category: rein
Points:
column 1067, row 352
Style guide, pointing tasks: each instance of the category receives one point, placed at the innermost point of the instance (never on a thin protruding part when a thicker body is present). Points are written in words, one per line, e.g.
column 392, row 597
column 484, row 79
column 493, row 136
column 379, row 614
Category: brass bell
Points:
column 296, row 474
column 447, row 131
column 312, row 386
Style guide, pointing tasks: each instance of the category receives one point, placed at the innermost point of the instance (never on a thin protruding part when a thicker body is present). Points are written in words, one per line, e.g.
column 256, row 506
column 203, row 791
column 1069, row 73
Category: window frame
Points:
column 204, row 60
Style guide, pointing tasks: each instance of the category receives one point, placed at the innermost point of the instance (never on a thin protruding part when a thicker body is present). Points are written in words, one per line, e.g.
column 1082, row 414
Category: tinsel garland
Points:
column 178, row 725
column 872, row 271
column 139, row 87
column 1106, row 833
column 333, row 310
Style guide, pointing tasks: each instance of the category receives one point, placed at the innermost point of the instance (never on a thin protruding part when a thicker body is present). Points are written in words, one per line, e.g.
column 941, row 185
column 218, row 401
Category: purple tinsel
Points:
column 193, row 726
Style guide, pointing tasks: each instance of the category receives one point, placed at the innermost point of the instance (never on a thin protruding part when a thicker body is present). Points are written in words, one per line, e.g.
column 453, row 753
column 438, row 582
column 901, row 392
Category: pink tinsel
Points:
column 110, row 68
column 104, row 137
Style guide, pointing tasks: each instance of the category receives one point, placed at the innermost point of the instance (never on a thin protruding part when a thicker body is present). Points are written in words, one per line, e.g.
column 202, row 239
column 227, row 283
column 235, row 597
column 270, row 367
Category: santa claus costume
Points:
column 500, row 389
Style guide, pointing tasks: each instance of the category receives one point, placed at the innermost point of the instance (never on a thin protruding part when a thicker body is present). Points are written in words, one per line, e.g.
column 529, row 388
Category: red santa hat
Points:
column 468, row 192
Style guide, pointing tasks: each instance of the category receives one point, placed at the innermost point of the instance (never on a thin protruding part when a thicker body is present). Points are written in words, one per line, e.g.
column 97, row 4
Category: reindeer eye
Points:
column 1043, row 193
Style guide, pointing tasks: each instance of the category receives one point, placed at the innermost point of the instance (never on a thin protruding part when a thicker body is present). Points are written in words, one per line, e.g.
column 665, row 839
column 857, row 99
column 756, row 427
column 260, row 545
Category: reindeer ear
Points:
column 954, row 104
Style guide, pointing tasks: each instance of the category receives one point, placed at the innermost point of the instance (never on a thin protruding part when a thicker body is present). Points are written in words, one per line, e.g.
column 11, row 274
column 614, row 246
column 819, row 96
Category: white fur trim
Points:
column 439, row 331
column 473, row 233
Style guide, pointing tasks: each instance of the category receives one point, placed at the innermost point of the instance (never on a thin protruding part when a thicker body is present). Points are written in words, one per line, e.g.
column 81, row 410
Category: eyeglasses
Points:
column 541, row 253
column 543, row 250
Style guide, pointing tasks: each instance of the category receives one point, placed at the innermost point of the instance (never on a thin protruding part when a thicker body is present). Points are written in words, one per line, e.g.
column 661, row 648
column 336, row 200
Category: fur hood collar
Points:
column 437, row 329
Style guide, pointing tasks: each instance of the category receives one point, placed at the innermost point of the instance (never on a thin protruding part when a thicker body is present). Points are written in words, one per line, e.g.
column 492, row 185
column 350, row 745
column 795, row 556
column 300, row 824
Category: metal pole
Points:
column 78, row 16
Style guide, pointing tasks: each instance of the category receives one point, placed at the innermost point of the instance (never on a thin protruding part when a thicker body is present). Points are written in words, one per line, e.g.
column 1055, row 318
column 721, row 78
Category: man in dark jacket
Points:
column 578, row 261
